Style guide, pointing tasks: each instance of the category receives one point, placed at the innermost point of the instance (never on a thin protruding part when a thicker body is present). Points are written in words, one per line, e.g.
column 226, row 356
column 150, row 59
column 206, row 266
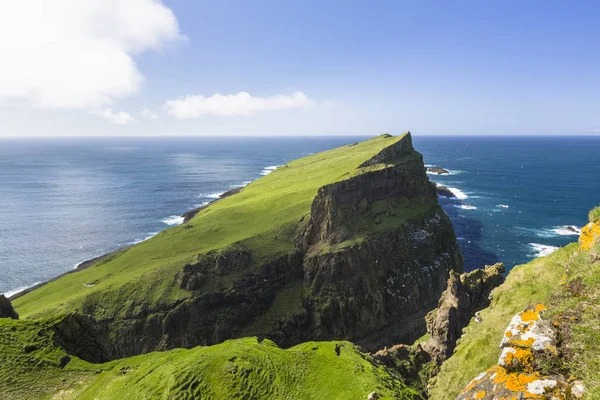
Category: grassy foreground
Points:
column 566, row 281
column 33, row 368
column 266, row 215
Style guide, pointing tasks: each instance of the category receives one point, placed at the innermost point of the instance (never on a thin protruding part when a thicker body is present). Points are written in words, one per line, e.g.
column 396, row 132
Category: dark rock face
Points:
column 82, row 336
column 466, row 294
column 6, row 308
column 375, row 291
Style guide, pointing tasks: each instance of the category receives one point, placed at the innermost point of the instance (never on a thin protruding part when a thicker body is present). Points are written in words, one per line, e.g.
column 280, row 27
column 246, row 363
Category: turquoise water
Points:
column 66, row 200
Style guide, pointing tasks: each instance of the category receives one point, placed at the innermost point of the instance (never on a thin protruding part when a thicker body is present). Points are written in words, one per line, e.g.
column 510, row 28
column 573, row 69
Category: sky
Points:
column 298, row 67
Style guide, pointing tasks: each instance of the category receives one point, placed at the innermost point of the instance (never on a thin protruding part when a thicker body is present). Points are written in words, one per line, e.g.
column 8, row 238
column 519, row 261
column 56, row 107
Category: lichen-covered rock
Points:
column 528, row 341
column 6, row 308
column 590, row 234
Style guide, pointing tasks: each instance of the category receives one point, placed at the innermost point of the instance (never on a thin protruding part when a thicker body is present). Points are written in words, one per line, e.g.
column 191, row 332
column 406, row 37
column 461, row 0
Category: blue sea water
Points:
column 66, row 200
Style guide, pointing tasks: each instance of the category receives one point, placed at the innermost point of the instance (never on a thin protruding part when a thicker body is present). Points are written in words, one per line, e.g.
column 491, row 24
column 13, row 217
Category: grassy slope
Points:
column 567, row 281
column 266, row 213
column 240, row 368
column 479, row 349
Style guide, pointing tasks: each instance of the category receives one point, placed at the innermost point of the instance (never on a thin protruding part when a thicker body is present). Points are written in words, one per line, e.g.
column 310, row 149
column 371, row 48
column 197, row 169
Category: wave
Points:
column 466, row 207
column 567, row 230
column 238, row 185
column 150, row 235
column 173, row 220
column 215, row 195
column 458, row 193
column 542, row 250
column 268, row 170
column 202, row 204
column 19, row 289
column 502, row 206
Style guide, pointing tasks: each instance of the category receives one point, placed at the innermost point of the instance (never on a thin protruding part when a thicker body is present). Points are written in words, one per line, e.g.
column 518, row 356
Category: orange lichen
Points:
column 480, row 395
column 530, row 315
column 508, row 334
column 589, row 235
column 516, row 382
column 522, row 358
column 540, row 307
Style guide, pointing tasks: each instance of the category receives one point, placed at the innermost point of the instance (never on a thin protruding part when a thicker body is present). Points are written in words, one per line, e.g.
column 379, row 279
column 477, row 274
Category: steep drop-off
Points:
column 346, row 244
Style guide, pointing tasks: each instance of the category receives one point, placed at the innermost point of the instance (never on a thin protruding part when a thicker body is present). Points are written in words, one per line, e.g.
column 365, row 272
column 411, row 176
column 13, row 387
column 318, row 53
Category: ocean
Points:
column 65, row 200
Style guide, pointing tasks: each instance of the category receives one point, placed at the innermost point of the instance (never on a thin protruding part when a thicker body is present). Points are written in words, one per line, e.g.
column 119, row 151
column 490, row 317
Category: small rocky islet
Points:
column 358, row 293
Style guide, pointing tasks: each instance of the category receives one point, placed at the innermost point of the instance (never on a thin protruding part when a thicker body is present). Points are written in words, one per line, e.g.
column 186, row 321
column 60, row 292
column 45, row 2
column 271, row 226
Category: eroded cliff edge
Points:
column 366, row 264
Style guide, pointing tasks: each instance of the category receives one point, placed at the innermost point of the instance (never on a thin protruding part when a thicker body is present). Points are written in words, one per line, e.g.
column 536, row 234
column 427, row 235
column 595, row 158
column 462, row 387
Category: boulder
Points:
column 6, row 308
column 437, row 170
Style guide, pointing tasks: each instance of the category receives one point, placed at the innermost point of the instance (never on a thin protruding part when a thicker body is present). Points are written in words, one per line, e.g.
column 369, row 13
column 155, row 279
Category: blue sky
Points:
column 319, row 67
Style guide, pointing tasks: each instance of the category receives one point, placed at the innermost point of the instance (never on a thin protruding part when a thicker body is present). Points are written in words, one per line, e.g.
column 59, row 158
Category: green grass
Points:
column 266, row 215
column 235, row 369
column 594, row 215
column 478, row 349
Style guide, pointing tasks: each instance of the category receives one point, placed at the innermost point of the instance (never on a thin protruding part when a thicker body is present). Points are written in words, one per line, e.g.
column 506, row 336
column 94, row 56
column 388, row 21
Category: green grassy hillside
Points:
column 32, row 367
column 566, row 282
column 267, row 214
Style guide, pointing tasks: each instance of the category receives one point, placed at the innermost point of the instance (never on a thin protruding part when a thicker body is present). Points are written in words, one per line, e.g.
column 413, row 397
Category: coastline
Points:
column 188, row 215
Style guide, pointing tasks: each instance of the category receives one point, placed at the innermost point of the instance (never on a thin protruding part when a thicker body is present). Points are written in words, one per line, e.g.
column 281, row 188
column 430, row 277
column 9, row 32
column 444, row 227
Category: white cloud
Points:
column 77, row 54
column 116, row 117
column 146, row 113
column 231, row 105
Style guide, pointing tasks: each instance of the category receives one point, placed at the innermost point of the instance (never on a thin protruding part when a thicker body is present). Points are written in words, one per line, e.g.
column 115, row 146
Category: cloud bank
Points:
column 242, row 103
column 77, row 54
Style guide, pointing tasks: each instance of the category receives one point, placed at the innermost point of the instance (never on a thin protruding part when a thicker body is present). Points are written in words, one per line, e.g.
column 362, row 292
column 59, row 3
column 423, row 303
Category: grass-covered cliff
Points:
column 345, row 244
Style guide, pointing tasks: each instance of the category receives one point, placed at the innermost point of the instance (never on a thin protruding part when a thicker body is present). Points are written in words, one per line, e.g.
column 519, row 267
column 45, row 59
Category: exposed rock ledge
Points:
column 529, row 343
column 465, row 295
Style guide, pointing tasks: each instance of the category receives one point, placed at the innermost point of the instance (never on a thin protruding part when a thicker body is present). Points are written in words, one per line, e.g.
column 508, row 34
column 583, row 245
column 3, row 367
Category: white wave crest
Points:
column 19, row 289
column 541, row 250
column 173, row 220
column 215, row 195
column 466, row 207
column 458, row 193
column 567, row 230
column 502, row 206
column 268, row 170
column 150, row 235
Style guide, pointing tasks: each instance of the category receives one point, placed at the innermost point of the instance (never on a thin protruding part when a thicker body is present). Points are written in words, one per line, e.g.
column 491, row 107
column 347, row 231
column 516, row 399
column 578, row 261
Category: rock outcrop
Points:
column 529, row 343
column 6, row 308
column 466, row 294
column 445, row 192
column 437, row 170
column 463, row 297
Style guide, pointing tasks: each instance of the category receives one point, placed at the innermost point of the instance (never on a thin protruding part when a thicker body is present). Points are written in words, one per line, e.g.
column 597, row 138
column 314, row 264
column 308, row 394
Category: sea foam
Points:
column 268, row 170
column 19, row 289
column 541, row 250
column 458, row 193
column 466, row 207
column 567, row 230
column 173, row 220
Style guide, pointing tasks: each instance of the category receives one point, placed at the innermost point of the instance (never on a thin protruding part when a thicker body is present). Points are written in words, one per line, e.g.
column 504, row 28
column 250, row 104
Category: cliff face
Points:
column 366, row 263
